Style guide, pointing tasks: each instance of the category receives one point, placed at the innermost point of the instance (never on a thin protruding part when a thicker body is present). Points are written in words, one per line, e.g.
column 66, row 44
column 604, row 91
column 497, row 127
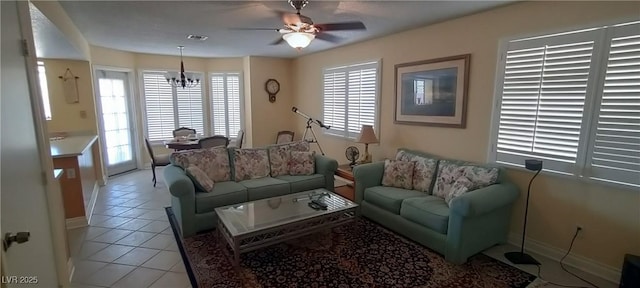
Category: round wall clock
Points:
column 272, row 86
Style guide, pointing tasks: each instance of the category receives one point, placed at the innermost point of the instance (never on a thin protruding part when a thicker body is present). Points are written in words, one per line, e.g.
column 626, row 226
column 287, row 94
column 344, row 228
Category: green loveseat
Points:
column 194, row 209
column 471, row 223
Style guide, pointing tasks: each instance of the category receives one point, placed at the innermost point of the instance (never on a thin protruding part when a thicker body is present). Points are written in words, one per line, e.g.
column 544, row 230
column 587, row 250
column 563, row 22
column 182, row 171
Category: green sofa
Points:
column 471, row 223
column 194, row 209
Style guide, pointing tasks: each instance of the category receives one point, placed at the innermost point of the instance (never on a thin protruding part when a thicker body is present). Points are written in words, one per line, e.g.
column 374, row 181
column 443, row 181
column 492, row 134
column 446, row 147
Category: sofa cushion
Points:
column 302, row 163
column 265, row 188
column 250, row 164
column 430, row 211
column 389, row 198
column 223, row 193
column 212, row 161
column 450, row 171
column 304, row 183
column 199, row 178
column 279, row 156
column 424, row 171
column 398, row 174
column 461, row 186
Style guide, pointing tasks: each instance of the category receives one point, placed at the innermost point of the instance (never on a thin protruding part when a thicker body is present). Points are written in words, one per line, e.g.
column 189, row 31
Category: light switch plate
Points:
column 71, row 173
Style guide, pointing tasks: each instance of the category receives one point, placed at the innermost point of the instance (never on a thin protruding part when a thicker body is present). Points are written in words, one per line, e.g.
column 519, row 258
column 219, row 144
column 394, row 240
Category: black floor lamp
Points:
column 521, row 257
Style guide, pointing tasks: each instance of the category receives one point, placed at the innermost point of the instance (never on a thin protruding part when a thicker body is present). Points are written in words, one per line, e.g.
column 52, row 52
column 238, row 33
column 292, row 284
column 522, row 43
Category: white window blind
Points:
column 158, row 97
column 350, row 96
column 226, row 107
column 554, row 87
column 616, row 146
column 168, row 108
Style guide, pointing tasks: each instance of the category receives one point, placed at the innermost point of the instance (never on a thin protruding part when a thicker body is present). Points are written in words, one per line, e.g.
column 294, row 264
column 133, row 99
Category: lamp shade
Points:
column 298, row 39
column 367, row 135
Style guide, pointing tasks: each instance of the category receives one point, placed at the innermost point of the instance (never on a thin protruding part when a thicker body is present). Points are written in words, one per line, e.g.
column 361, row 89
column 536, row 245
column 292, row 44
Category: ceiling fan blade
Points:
column 277, row 42
column 258, row 28
column 288, row 17
column 329, row 37
column 353, row 25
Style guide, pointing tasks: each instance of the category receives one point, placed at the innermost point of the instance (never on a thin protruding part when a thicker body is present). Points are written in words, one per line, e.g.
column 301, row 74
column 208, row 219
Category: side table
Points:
column 348, row 191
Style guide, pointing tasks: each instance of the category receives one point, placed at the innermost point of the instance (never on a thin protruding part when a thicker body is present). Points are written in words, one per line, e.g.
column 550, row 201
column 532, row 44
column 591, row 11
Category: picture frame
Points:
column 432, row 92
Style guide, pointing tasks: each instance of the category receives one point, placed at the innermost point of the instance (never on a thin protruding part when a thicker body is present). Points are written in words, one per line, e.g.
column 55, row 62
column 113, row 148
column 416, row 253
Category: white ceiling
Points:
column 158, row 27
column 50, row 42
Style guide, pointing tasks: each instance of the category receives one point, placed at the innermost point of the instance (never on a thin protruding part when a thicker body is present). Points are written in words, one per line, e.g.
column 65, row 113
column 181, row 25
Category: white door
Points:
column 116, row 126
column 23, row 204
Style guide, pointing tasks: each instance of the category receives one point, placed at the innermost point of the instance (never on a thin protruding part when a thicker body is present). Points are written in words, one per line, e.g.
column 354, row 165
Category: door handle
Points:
column 19, row 238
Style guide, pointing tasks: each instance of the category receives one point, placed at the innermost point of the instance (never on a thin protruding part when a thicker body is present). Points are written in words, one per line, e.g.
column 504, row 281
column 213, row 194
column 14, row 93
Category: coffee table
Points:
column 257, row 224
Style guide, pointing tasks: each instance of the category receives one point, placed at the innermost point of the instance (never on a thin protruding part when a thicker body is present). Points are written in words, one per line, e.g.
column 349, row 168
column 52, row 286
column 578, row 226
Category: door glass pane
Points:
column 115, row 121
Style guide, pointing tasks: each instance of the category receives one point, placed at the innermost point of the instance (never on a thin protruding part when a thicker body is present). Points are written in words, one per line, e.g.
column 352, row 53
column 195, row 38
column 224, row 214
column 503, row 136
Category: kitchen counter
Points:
column 71, row 146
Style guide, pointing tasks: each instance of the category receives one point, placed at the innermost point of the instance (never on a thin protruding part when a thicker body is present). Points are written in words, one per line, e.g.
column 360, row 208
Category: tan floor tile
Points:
column 164, row 260
column 112, row 236
column 172, row 280
column 135, row 224
column 136, row 238
column 140, row 277
column 108, row 275
column 137, row 256
column 160, row 241
column 110, row 253
column 155, row 226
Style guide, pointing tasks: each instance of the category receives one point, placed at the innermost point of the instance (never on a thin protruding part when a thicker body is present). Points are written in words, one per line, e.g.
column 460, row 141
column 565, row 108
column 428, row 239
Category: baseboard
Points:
column 590, row 266
column 77, row 222
column 92, row 202
column 71, row 268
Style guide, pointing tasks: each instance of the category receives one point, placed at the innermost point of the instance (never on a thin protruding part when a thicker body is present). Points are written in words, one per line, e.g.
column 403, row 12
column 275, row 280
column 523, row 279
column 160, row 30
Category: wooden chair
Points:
column 213, row 141
column 284, row 137
column 237, row 143
column 160, row 160
column 183, row 131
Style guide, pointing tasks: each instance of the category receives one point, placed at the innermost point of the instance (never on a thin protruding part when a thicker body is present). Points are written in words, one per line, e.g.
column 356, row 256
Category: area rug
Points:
column 359, row 254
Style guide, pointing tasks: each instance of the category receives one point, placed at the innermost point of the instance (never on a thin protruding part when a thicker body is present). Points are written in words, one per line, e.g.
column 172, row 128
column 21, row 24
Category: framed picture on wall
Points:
column 433, row 92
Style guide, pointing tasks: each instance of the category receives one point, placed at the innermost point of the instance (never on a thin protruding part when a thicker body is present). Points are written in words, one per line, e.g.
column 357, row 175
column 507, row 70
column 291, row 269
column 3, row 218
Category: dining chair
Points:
column 284, row 137
column 183, row 131
column 160, row 160
column 237, row 143
column 213, row 141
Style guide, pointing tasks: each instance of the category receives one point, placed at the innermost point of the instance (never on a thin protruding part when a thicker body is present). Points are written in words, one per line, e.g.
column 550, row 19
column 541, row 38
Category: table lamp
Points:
column 521, row 257
column 367, row 136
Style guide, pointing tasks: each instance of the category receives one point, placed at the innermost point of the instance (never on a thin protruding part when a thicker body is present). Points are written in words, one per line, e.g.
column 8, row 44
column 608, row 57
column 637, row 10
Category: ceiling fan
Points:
column 299, row 30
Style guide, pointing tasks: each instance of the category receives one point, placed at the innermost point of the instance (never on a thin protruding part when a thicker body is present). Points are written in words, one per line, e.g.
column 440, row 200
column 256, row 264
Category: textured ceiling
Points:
column 50, row 42
column 158, row 27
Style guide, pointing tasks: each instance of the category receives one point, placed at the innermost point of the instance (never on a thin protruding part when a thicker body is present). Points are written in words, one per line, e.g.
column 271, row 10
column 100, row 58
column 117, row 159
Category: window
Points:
column 44, row 90
column 226, row 107
column 168, row 108
column 572, row 100
column 350, row 96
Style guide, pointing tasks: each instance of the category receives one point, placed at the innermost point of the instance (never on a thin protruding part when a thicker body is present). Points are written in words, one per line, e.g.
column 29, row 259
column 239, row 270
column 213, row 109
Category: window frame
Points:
column 143, row 102
column 210, row 101
column 346, row 135
column 605, row 32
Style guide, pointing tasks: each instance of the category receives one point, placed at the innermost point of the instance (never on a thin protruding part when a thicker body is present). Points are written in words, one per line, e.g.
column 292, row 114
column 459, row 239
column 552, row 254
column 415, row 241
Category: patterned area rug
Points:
column 358, row 254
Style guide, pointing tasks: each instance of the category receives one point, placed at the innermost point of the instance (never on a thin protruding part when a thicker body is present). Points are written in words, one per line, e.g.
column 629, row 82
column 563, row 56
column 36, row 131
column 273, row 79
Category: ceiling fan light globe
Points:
column 298, row 40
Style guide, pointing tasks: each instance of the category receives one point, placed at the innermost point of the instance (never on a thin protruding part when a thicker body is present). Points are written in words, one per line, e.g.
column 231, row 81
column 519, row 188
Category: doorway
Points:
column 113, row 99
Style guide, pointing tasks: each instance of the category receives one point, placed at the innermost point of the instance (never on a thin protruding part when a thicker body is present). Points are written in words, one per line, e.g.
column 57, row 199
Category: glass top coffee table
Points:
column 257, row 224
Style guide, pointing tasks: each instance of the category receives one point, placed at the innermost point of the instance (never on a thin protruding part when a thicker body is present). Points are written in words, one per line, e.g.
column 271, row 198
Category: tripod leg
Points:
column 316, row 141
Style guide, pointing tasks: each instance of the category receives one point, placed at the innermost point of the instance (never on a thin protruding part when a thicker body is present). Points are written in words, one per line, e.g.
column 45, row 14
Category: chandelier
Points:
column 184, row 80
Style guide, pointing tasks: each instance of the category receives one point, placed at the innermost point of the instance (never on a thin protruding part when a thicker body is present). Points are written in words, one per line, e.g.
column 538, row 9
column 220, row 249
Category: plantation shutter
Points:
column 190, row 112
column 543, row 98
column 350, row 95
column 616, row 146
column 158, row 96
column 225, row 104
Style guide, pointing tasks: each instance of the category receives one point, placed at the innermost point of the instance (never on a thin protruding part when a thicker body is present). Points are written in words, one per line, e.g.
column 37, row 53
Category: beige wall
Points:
column 268, row 118
column 610, row 216
column 67, row 117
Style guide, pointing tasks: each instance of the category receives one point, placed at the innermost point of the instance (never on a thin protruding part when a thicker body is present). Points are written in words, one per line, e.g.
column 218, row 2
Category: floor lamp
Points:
column 521, row 257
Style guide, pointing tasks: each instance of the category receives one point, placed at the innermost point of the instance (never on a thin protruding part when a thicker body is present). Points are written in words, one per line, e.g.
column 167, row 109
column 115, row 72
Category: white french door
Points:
column 114, row 107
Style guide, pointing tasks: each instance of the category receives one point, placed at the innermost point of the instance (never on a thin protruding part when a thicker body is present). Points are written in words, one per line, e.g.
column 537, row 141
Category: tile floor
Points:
column 129, row 242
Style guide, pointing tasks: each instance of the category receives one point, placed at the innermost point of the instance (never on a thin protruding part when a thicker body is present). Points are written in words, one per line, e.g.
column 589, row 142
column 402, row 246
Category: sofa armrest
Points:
column 327, row 167
column 178, row 182
column 365, row 176
column 484, row 200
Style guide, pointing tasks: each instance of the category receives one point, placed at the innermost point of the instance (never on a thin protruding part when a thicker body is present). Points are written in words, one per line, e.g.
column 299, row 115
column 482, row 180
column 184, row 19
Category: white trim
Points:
column 71, row 268
column 92, row 202
column 585, row 264
column 77, row 222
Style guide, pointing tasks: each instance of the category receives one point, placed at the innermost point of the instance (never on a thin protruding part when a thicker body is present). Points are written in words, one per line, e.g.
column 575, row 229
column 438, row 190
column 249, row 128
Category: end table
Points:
column 347, row 191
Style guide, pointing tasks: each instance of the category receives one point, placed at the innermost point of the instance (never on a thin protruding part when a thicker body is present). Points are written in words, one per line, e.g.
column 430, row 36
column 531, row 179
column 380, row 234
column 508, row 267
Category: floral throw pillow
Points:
column 448, row 173
column 423, row 172
column 302, row 146
column 302, row 163
column 279, row 160
column 460, row 186
column 481, row 176
column 214, row 162
column 398, row 174
column 200, row 178
column 251, row 164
